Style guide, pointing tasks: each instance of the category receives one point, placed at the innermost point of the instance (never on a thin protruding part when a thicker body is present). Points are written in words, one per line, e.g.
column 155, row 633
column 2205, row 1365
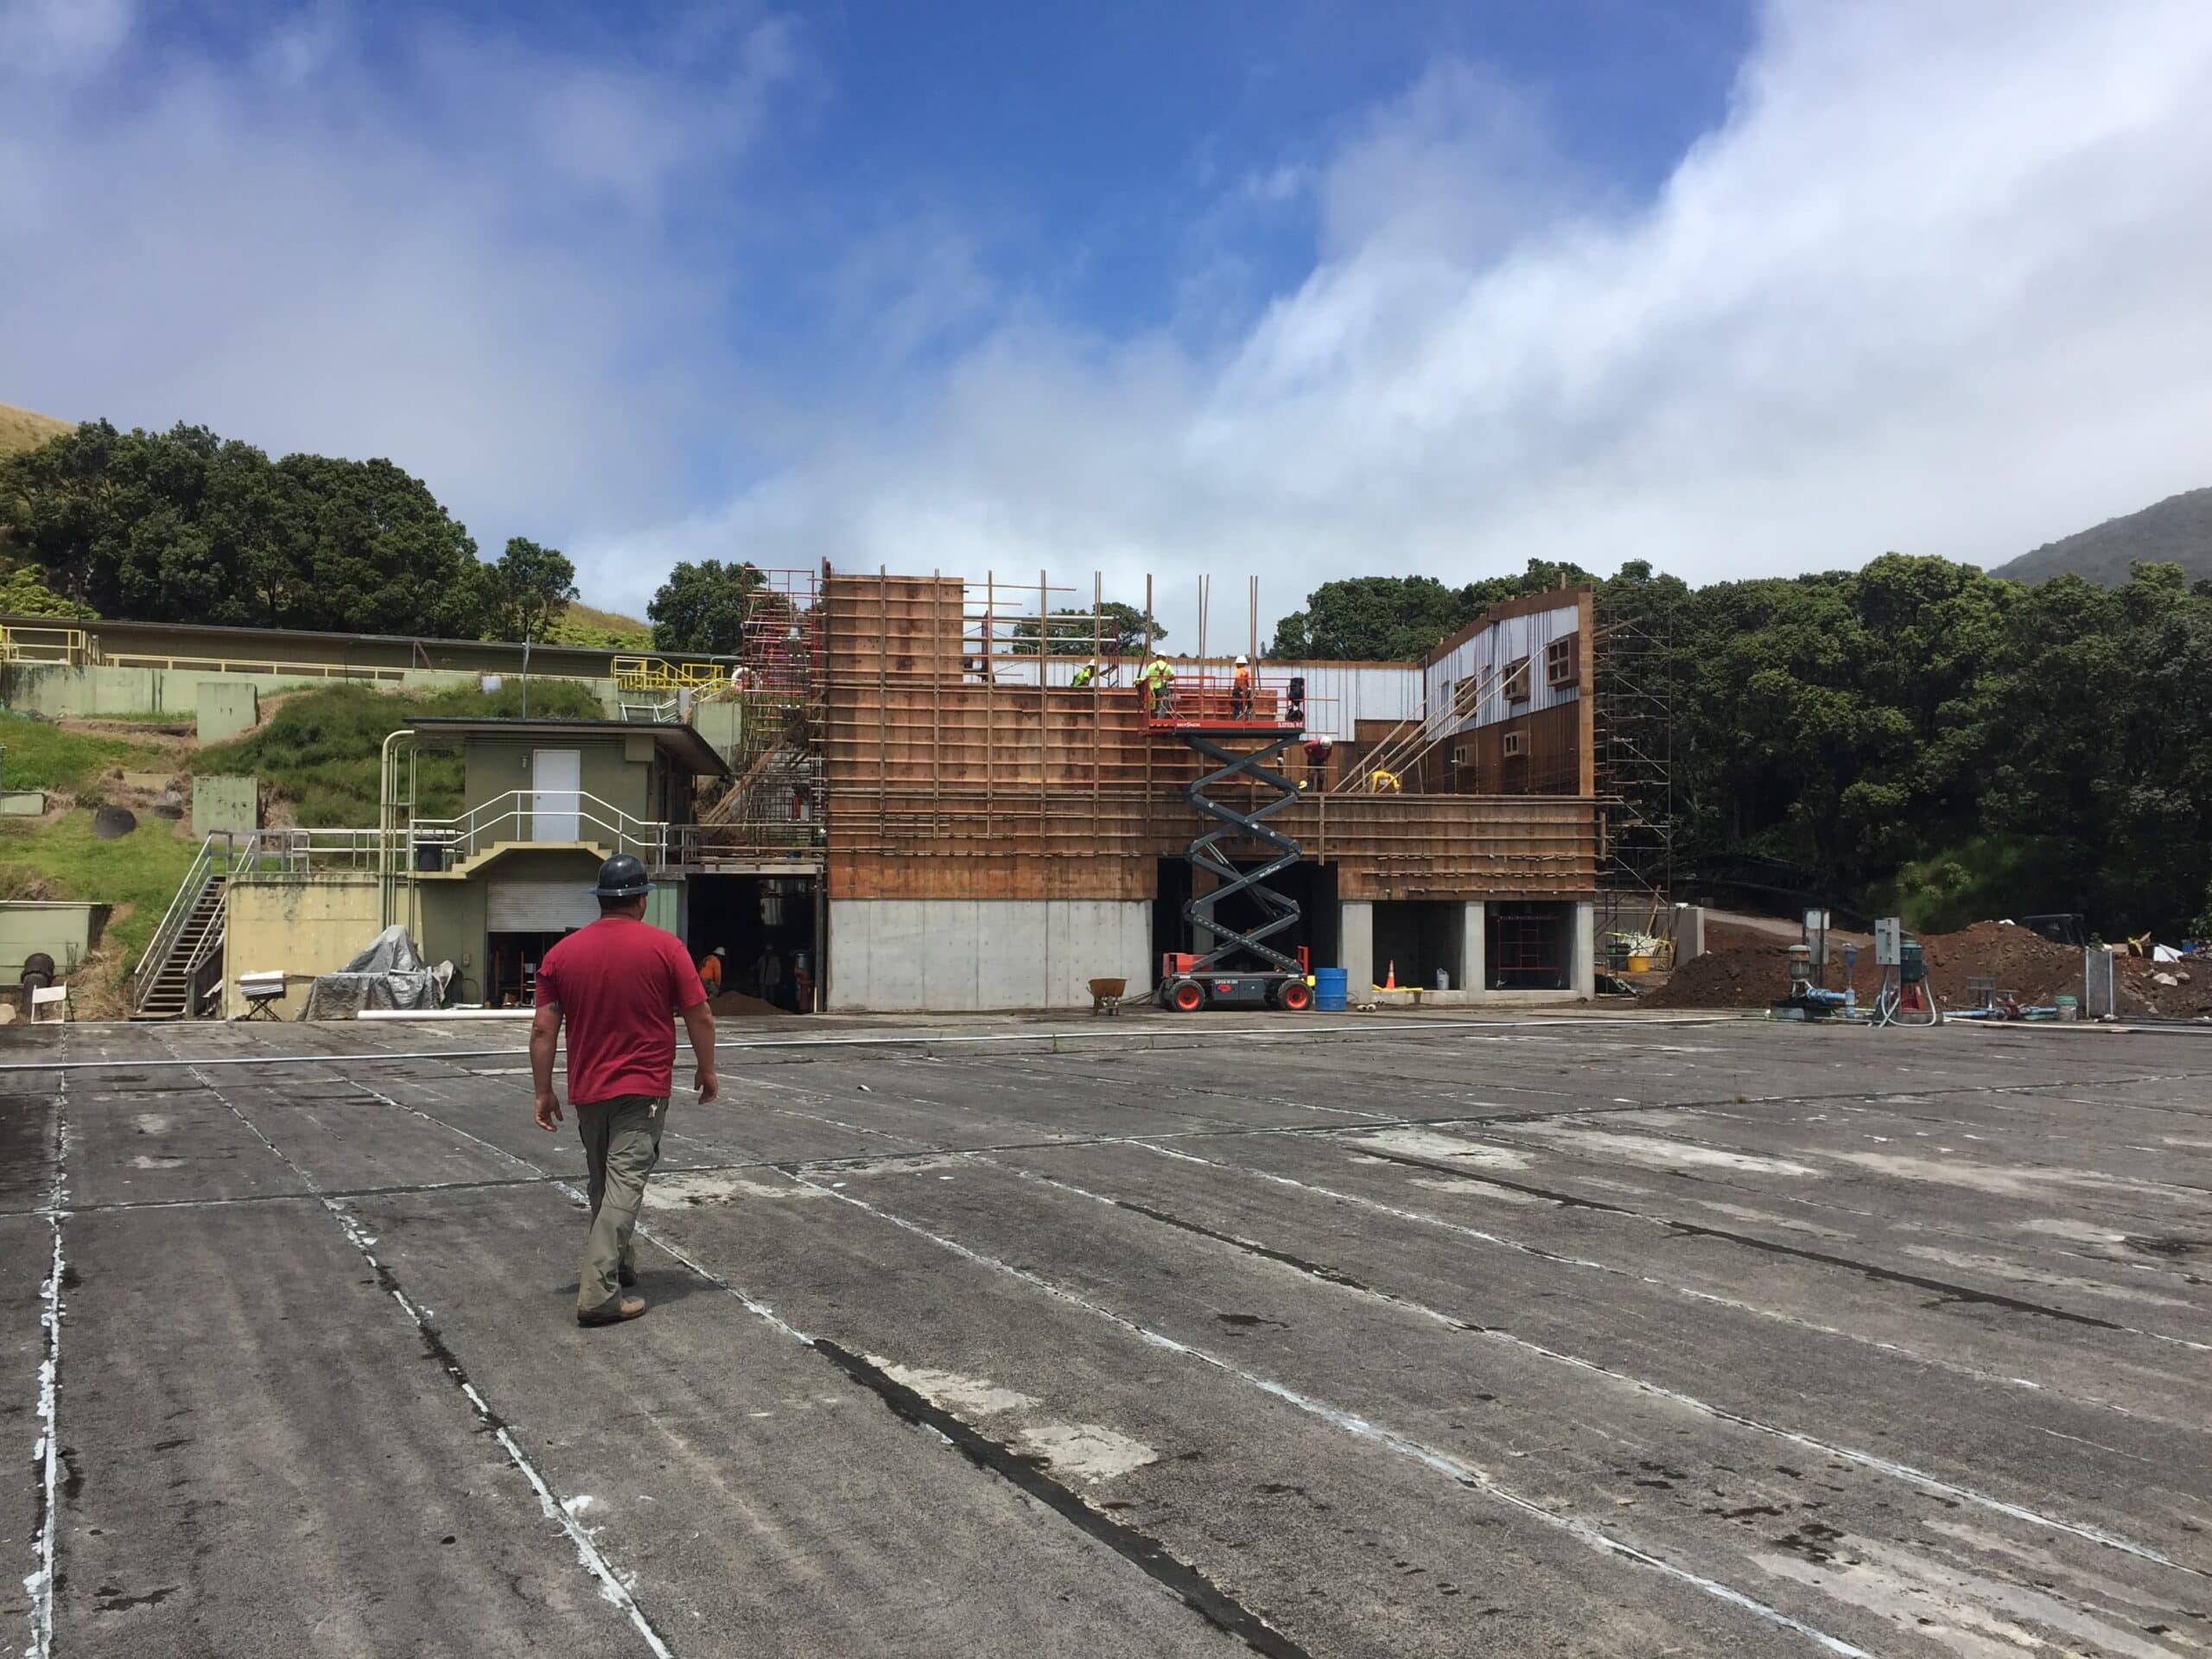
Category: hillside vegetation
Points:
column 24, row 429
column 322, row 751
column 1917, row 731
column 40, row 755
column 586, row 625
column 2176, row 530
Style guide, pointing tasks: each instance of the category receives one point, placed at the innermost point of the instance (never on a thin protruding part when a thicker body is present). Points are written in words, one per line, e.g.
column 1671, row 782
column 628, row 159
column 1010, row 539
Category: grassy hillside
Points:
column 2176, row 530
column 584, row 625
column 23, row 429
column 137, row 874
column 42, row 756
column 323, row 749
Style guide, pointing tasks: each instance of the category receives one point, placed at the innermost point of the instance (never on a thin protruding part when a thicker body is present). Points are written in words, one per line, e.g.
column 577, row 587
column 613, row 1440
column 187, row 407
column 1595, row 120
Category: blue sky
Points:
column 1302, row 289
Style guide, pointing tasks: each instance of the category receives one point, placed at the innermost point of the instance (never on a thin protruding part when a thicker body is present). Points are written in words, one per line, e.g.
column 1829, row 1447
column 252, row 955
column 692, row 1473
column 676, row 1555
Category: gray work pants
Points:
column 621, row 1140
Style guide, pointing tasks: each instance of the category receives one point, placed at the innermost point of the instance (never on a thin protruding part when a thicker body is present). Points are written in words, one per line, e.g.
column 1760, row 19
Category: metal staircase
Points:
column 181, row 976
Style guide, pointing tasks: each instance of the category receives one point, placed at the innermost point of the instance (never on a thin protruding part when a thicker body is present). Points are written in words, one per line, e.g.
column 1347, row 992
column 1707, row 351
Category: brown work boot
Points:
column 612, row 1311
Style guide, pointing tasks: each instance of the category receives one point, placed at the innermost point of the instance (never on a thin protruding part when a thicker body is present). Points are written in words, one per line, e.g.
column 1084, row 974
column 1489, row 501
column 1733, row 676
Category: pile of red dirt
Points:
column 2030, row 966
column 1739, row 976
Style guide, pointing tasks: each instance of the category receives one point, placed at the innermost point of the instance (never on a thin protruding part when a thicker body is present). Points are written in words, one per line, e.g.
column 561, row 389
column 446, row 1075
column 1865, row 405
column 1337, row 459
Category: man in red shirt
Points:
column 616, row 983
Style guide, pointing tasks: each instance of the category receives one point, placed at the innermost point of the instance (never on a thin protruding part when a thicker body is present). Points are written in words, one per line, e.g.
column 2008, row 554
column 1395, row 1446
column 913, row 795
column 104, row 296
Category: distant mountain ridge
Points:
column 2176, row 530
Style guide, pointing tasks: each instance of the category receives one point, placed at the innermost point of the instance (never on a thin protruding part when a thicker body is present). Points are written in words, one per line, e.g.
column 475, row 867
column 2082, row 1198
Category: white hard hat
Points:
column 1242, row 661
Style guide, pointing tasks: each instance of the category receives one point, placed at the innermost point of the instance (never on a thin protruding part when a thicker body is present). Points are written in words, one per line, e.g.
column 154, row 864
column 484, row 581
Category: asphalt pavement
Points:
column 1386, row 1336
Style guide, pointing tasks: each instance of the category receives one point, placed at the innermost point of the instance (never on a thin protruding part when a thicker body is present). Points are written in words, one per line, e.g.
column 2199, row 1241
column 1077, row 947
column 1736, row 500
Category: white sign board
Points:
column 1889, row 937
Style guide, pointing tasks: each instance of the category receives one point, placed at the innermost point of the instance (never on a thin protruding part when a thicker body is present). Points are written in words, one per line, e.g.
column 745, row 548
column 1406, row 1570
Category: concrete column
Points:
column 1471, row 973
column 1583, row 964
column 1355, row 947
column 1689, row 932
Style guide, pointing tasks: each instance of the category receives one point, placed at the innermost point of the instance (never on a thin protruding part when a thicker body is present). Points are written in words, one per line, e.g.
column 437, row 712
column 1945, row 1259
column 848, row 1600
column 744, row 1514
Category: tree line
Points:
column 185, row 526
column 1919, row 734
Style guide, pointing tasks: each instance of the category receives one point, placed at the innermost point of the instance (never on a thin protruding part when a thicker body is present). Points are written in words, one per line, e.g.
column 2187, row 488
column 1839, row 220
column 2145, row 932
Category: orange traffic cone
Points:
column 1390, row 975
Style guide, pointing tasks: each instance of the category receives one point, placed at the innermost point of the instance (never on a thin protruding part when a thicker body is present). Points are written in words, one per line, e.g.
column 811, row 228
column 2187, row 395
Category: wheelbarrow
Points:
column 1106, row 994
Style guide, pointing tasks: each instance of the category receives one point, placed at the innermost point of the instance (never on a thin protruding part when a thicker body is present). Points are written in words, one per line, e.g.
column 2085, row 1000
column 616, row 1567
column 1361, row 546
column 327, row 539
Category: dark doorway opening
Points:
column 765, row 924
column 1527, row 945
column 1424, row 940
column 510, row 967
column 1313, row 886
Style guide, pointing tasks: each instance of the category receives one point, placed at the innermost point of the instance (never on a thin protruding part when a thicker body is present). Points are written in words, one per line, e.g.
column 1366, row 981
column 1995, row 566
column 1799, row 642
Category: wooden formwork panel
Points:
column 909, row 844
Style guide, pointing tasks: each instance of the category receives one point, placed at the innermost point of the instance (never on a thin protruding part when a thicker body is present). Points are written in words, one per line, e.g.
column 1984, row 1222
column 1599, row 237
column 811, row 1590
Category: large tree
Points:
column 702, row 606
column 529, row 590
column 183, row 525
column 1117, row 629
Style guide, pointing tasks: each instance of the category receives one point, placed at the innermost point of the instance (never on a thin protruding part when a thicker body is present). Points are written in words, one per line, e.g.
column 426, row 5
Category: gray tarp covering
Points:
column 390, row 974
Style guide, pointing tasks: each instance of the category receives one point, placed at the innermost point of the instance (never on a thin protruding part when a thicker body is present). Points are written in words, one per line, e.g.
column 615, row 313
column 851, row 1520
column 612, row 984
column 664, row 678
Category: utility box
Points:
column 1889, row 942
column 220, row 803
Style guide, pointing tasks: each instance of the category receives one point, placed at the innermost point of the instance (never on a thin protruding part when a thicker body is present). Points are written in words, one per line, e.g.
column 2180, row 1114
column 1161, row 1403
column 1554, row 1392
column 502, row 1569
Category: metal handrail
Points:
column 205, row 867
column 469, row 832
column 172, row 923
column 658, row 674
column 211, row 940
column 1405, row 745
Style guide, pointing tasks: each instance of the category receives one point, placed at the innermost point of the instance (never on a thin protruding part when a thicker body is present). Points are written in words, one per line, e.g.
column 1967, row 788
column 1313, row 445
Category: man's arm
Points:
column 545, row 1036
column 699, row 1027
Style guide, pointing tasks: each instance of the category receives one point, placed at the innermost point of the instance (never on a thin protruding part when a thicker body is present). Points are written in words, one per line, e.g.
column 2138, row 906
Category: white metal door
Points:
column 556, row 776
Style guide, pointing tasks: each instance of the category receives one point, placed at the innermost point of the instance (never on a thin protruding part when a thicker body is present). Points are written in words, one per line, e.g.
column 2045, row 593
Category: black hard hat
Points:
column 622, row 877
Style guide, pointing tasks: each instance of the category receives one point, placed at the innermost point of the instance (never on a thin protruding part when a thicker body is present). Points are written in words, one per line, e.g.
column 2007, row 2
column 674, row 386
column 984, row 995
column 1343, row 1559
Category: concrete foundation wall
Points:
column 63, row 930
column 949, row 955
column 305, row 925
column 221, row 803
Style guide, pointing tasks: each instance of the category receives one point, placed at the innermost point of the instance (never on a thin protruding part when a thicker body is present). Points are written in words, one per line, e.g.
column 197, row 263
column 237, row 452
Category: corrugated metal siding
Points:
column 1481, row 657
column 523, row 904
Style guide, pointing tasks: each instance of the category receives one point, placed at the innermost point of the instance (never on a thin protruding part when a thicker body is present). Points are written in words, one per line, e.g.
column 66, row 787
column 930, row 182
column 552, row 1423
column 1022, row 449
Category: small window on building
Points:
column 1512, row 741
column 1560, row 663
column 1516, row 680
column 1443, row 691
column 1463, row 754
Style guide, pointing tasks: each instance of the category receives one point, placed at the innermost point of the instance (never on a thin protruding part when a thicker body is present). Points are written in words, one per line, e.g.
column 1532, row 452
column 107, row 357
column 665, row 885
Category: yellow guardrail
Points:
column 251, row 665
column 35, row 644
column 653, row 674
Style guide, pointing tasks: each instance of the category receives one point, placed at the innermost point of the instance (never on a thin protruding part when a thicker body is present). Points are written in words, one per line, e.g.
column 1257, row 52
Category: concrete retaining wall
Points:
column 303, row 926
column 63, row 929
column 62, row 692
column 949, row 955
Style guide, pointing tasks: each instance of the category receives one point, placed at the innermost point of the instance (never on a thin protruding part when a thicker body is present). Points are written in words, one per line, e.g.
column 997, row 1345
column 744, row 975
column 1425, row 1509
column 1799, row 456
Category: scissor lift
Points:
column 1239, row 748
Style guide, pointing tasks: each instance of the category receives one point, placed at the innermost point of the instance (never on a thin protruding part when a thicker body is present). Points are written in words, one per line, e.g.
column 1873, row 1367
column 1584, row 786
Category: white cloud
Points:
column 464, row 260
column 1935, row 283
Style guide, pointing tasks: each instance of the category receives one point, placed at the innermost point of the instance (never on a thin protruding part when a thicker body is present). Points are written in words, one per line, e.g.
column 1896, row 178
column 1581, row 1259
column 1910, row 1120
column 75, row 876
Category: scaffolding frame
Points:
column 1633, row 729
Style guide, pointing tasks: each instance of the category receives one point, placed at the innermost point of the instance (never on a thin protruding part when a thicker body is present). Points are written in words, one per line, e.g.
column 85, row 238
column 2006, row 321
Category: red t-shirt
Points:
column 619, row 982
